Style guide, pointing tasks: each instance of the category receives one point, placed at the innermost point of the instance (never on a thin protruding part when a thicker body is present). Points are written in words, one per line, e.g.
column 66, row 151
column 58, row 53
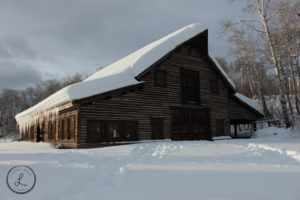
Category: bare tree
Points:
column 246, row 49
column 266, row 26
column 9, row 101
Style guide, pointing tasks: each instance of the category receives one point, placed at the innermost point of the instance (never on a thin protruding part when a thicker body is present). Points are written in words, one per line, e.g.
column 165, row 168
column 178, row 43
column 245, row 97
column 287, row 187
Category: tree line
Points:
column 14, row 101
column 266, row 55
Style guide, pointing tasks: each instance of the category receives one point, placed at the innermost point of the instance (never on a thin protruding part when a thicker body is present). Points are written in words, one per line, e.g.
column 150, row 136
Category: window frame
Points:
column 190, row 95
column 164, row 80
column 65, row 131
column 61, row 129
column 124, row 127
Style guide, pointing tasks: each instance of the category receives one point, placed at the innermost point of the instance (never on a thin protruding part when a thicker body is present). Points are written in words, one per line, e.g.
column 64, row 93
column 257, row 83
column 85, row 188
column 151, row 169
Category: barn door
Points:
column 190, row 124
column 157, row 128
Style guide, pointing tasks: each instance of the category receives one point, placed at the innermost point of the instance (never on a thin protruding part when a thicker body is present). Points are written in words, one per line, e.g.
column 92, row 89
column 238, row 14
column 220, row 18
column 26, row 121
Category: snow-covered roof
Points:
column 143, row 58
column 121, row 73
column 83, row 89
column 250, row 102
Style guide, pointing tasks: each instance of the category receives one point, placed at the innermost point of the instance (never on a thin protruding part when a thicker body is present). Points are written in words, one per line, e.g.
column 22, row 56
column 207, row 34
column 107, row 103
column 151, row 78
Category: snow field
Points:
column 265, row 167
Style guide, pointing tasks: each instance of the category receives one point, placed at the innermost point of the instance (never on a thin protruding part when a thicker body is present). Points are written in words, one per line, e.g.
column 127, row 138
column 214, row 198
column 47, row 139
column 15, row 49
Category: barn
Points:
column 171, row 88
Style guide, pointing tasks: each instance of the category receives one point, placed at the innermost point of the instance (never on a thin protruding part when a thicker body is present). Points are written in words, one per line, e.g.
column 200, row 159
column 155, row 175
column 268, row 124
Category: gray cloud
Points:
column 17, row 76
column 16, row 48
column 67, row 36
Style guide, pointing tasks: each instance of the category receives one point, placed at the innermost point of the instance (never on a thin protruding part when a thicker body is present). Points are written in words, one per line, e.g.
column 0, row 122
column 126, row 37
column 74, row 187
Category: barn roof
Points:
column 121, row 73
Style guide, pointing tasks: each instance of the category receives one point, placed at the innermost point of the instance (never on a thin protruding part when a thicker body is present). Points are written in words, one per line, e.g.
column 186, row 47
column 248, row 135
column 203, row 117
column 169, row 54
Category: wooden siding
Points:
column 153, row 101
column 239, row 112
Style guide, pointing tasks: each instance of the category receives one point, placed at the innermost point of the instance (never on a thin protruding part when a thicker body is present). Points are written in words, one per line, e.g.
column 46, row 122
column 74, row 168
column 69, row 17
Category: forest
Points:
column 265, row 49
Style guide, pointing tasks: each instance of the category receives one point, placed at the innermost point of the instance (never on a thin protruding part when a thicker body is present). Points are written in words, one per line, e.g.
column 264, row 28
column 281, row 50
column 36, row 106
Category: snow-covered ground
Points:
column 265, row 167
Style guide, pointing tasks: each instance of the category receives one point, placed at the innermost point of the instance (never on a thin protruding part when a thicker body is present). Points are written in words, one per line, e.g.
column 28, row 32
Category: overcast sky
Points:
column 44, row 39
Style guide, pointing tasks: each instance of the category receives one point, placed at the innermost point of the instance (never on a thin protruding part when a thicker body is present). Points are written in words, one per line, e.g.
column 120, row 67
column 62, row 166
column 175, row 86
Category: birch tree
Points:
column 246, row 49
column 264, row 24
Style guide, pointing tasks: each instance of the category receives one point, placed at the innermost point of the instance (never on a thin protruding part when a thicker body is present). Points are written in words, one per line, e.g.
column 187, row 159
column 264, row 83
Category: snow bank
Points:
column 273, row 132
column 247, row 169
column 221, row 138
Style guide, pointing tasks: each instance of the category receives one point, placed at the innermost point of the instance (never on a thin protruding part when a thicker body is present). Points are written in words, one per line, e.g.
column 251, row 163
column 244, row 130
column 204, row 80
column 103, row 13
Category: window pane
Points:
column 161, row 78
column 95, row 128
column 54, row 130
column 72, row 127
column 114, row 129
column 130, row 130
column 65, row 131
column 189, row 85
column 61, row 129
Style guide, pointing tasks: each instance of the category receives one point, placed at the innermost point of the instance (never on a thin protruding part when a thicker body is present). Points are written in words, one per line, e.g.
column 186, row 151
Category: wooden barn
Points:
column 171, row 88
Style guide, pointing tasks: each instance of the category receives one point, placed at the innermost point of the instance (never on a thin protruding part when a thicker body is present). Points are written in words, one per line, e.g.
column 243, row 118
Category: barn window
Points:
column 51, row 130
column 214, row 86
column 114, row 129
column 111, row 130
column 95, row 131
column 161, row 78
column 220, row 127
column 72, row 128
column 129, row 130
column 189, row 86
column 66, row 128
column 61, row 129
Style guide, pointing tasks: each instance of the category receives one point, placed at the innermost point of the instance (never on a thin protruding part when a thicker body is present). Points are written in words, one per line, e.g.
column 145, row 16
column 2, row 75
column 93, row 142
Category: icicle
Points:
column 27, row 121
